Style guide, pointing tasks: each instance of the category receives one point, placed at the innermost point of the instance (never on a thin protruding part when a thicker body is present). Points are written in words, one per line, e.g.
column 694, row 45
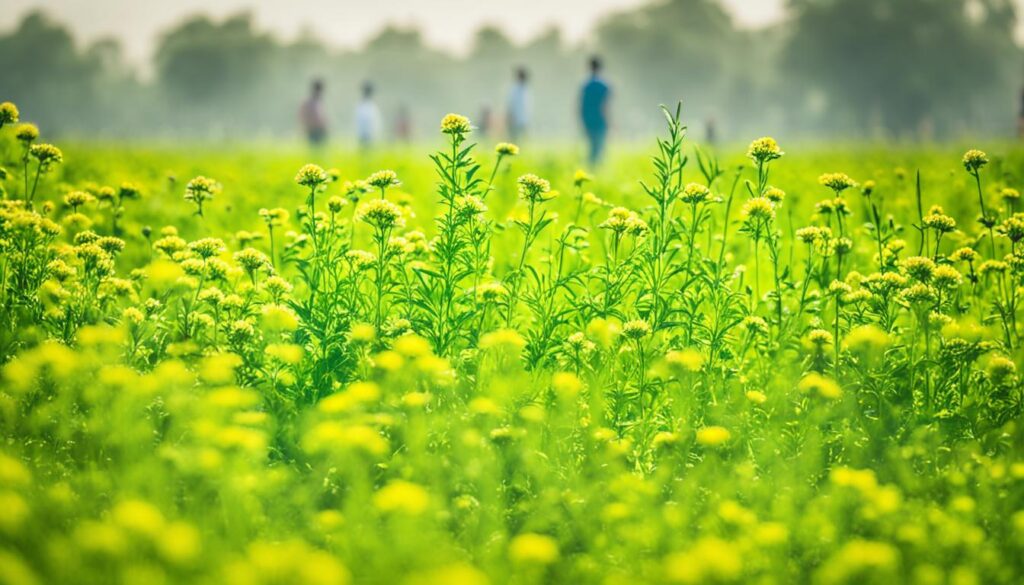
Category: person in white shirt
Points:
column 311, row 114
column 367, row 118
column 518, row 108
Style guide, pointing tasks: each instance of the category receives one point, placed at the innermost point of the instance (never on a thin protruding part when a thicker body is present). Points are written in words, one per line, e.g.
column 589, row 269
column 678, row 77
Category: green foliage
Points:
column 424, row 376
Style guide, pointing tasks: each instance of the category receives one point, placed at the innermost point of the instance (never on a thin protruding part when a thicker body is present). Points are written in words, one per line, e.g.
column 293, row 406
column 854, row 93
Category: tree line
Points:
column 832, row 68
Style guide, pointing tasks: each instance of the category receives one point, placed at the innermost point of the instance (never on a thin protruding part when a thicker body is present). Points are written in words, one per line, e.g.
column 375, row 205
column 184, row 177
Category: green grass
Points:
column 682, row 390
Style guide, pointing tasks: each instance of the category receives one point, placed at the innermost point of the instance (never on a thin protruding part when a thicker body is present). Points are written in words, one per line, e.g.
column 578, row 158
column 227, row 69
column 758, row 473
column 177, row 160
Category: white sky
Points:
column 347, row 23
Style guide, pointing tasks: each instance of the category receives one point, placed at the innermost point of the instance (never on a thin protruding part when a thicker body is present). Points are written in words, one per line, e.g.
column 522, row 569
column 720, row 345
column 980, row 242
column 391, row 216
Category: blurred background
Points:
column 905, row 70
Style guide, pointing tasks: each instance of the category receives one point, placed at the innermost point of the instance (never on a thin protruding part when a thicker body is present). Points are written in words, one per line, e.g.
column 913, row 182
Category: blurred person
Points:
column 367, row 118
column 710, row 131
column 311, row 114
column 594, row 98
column 485, row 123
column 403, row 124
column 518, row 107
column 1020, row 117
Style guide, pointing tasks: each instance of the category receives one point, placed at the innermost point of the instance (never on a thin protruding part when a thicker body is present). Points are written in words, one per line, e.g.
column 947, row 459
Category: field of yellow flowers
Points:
column 487, row 367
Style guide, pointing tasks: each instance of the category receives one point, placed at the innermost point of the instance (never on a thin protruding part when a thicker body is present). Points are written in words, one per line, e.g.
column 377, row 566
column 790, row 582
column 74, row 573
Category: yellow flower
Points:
column 139, row 517
column 821, row 385
column 383, row 179
column 533, row 188
column 756, row 396
column 455, row 125
column 13, row 473
column 566, row 385
column 637, row 329
column 757, row 209
column 710, row 560
column 974, row 159
column 506, row 149
column 581, row 177
column 311, row 176
column 401, row 496
column 531, row 548
column 713, row 436
column 838, row 182
column 330, row 436
column 179, row 544
column 279, row 318
column 286, row 352
column 362, row 332
column 219, row 368
column 685, row 360
column 8, row 114
column 504, row 339
column 416, row 399
column 764, row 149
column 456, row 574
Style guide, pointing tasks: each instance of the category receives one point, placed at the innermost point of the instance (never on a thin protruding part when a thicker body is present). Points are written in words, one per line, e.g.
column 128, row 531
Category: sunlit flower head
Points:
column 383, row 179
column 637, row 329
column 713, row 436
column 311, row 176
column 758, row 209
column 974, row 159
column 26, row 132
column 764, row 149
column 695, row 193
column 536, row 549
column 775, row 195
column 8, row 114
column 381, row 213
column 201, row 189
column 580, row 177
column 46, row 154
column 455, row 125
column 533, row 188
column 506, row 149
column 838, row 182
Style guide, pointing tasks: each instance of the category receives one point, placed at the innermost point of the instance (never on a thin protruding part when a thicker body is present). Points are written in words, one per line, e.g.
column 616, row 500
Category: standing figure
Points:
column 1020, row 117
column 403, row 124
column 484, row 123
column 710, row 131
column 311, row 114
column 518, row 107
column 367, row 118
column 594, row 98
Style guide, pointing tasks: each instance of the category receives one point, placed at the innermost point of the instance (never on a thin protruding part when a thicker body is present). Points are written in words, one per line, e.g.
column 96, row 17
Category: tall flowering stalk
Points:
column 383, row 216
column 974, row 160
column 440, row 295
column 535, row 191
column 659, row 266
column 759, row 215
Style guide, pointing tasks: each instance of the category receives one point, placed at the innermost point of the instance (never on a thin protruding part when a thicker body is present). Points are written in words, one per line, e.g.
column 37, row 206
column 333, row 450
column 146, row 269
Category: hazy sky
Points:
column 347, row 23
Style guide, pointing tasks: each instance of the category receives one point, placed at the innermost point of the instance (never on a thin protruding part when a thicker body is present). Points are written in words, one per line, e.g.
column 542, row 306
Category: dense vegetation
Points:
column 459, row 372
column 853, row 68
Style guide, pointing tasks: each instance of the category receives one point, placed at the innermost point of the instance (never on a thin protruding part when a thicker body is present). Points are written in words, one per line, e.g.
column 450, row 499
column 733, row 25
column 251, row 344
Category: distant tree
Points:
column 213, row 71
column 901, row 64
column 667, row 51
column 407, row 73
column 42, row 71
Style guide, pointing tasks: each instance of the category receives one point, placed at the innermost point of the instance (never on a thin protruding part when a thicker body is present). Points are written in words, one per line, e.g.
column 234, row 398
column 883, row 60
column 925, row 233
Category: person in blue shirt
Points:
column 594, row 99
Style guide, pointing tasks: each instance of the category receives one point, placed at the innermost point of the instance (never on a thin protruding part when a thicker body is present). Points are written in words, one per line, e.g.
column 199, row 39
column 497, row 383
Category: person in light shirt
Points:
column 367, row 118
column 311, row 114
column 518, row 112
